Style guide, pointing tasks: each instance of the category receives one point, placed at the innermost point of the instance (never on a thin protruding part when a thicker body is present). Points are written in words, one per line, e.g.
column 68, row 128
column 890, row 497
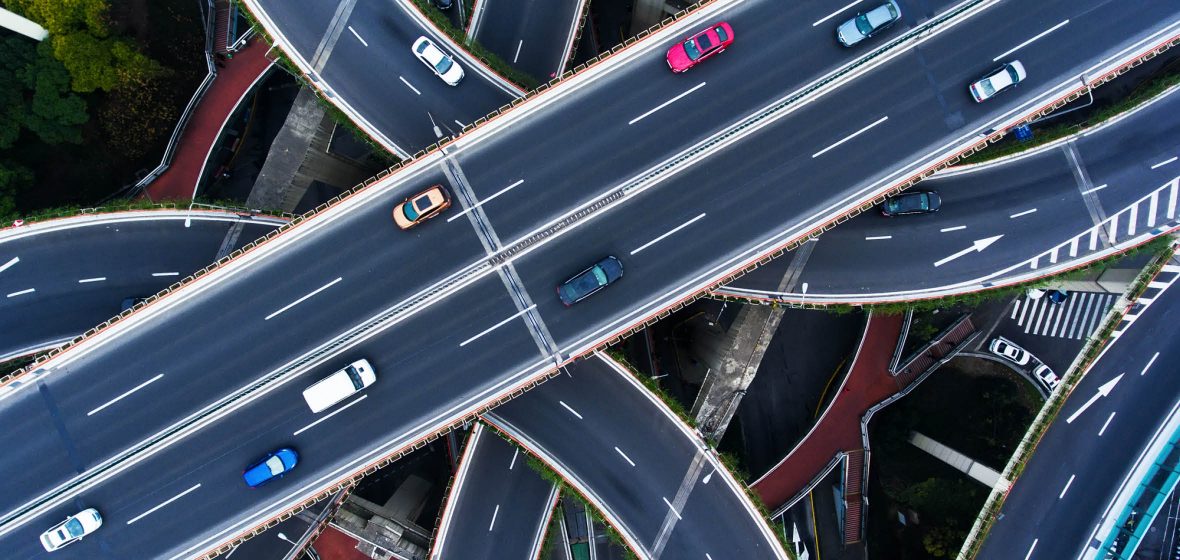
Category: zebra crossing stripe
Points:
column 1093, row 238
column 1073, row 332
column 1065, row 318
column 1073, row 247
column 1134, row 218
column 1114, row 228
column 1172, row 199
column 1151, row 208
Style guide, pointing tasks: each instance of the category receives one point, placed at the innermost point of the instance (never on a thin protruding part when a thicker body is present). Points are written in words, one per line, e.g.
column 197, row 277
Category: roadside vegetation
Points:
column 91, row 108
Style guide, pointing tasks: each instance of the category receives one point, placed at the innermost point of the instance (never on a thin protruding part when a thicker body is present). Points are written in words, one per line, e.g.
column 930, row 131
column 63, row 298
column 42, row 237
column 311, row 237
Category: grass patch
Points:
column 122, row 205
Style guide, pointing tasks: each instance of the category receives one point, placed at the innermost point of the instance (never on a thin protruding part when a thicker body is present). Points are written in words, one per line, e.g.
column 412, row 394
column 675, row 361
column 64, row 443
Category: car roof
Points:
column 431, row 52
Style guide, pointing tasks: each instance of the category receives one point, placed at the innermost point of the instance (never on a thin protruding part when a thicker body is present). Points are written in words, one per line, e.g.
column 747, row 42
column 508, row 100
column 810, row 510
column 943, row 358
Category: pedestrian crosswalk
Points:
column 1076, row 318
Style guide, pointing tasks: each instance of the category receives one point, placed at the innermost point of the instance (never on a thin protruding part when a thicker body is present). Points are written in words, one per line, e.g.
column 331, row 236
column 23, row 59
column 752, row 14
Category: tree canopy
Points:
column 35, row 95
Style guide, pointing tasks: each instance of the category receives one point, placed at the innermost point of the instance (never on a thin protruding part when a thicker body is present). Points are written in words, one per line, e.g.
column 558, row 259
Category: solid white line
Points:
column 358, row 36
column 487, row 200
column 1105, row 424
column 1095, row 189
column 498, row 325
column 1030, row 549
column 1149, row 362
column 409, row 85
column 878, row 237
column 1066, row 489
column 329, row 415
column 88, row 280
column 170, row 500
column 497, row 512
column 1165, row 162
column 1025, row 213
column 514, row 454
column 517, row 56
column 9, row 264
column 572, row 411
column 22, row 292
column 124, row 395
column 1026, row 43
column 302, row 299
column 835, row 13
column 850, row 137
column 955, row 228
column 165, row 274
column 662, row 237
column 674, row 512
column 666, row 103
column 625, row 457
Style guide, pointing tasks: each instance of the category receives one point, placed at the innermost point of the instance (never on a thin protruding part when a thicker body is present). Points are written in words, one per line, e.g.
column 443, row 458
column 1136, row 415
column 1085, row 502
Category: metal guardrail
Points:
column 905, row 333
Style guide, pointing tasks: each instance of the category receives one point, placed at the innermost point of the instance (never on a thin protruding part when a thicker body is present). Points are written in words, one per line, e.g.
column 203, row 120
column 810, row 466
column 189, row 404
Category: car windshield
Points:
column 863, row 25
column 444, row 64
column 275, row 465
column 355, row 377
column 408, row 210
column 73, row 529
column 721, row 34
column 1012, row 74
column 690, row 48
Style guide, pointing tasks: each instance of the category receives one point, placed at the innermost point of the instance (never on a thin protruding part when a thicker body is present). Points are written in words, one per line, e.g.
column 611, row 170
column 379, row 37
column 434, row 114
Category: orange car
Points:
column 421, row 207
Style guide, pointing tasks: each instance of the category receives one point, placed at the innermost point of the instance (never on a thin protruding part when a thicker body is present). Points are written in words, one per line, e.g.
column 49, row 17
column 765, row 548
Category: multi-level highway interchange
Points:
column 780, row 136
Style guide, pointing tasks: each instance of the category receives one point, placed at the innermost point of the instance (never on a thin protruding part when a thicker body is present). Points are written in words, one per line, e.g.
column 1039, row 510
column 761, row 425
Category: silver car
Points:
column 867, row 24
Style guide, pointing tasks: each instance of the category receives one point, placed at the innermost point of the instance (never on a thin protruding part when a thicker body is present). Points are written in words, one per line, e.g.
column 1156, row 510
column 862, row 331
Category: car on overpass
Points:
column 867, row 24
column 997, row 80
column 273, row 466
column 584, row 284
column 917, row 202
column 421, row 207
column 438, row 61
column 71, row 530
column 706, row 43
column 343, row 383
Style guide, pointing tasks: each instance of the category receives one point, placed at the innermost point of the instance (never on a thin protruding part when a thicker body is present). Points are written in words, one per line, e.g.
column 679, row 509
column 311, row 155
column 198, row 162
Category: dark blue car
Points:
column 595, row 278
column 273, row 466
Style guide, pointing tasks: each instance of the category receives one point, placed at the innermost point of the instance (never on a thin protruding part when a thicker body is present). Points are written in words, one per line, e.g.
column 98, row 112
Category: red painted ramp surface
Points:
column 334, row 545
column 232, row 83
column 867, row 384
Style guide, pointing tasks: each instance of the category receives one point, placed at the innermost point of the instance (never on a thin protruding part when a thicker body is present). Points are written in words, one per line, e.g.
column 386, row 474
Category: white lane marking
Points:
column 977, row 246
column 165, row 274
column 9, row 264
column 498, row 325
column 1114, row 228
column 494, row 513
column 358, row 36
column 1019, row 214
column 1027, row 43
column 1149, row 362
column 707, row 557
column 95, row 279
column 674, row 512
column 878, row 237
column 572, row 411
column 1073, row 247
column 409, row 85
column 1152, row 208
column 1165, row 162
column 955, row 228
column 304, row 298
column 666, row 103
column 124, row 395
column 673, row 230
column 1030, row 549
column 1066, row 489
column 517, row 55
column 1132, row 220
column 1093, row 238
column 329, row 415
column 514, row 454
column 170, row 500
column 1102, row 391
column 486, row 200
column 1172, row 199
column 1105, row 424
column 835, row 13
column 1095, row 189
column 22, row 292
column 625, row 457
column 850, row 137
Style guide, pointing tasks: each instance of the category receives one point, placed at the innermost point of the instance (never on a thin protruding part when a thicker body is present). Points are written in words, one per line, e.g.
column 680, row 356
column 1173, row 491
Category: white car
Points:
column 1046, row 376
column 1007, row 349
column 439, row 62
column 343, row 383
column 72, row 529
column 997, row 80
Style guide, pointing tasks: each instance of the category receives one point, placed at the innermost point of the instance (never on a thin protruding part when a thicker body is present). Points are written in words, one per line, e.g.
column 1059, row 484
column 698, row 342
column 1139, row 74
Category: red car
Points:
column 686, row 54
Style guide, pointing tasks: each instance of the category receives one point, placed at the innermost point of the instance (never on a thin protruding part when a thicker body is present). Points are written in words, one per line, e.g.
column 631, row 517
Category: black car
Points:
column 444, row 4
column 917, row 202
column 583, row 284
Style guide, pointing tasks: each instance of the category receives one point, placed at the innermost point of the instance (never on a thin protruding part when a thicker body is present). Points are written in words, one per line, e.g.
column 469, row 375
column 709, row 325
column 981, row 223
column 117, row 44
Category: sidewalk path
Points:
column 867, row 384
column 232, row 84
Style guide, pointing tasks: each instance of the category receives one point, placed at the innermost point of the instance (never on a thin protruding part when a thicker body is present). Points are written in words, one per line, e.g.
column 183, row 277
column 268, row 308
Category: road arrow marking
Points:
column 978, row 246
column 1103, row 391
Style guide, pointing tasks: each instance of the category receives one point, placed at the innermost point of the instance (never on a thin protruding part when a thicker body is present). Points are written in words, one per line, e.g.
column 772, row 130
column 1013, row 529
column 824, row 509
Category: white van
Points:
column 339, row 386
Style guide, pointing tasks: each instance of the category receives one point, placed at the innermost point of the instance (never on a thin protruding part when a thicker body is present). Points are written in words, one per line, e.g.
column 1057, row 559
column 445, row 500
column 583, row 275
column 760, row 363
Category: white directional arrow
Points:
column 794, row 533
column 979, row 245
column 1103, row 391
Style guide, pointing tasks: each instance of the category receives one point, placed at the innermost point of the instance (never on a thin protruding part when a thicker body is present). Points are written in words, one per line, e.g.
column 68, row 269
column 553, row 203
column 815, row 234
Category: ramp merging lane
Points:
column 535, row 36
column 345, row 284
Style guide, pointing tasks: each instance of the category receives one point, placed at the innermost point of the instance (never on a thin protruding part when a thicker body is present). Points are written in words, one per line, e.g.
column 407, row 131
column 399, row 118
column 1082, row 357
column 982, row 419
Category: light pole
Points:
column 804, row 302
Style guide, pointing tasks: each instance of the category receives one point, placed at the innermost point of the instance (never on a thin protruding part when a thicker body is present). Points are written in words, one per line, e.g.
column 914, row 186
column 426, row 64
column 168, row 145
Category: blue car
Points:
column 275, row 465
column 585, row 283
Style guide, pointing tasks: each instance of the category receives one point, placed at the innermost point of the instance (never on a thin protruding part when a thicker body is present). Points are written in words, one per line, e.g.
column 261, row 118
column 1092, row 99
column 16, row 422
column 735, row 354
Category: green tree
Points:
column 942, row 542
column 13, row 179
column 35, row 95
